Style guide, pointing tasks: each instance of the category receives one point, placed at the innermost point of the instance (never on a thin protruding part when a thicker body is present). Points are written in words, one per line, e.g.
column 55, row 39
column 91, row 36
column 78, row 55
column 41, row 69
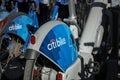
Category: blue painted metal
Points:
column 59, row 46
column 55, row 13
column 63, row 2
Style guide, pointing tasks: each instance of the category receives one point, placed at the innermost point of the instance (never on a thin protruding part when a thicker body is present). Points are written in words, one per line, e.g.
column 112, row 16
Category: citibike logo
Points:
column 55, row 43
column 15, row 27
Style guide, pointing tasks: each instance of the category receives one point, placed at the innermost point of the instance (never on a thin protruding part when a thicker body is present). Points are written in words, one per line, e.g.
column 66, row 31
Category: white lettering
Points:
column 15, row 27
column 56, row 43
column 49, row 47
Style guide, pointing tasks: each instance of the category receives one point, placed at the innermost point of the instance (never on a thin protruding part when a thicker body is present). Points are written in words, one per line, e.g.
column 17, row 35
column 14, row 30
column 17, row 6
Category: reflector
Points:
column 32, row 39
column 59, row 76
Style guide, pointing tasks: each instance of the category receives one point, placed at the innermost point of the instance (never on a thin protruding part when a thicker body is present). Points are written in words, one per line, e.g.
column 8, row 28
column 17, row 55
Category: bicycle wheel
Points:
column 82, row 11
column 10, row 43
column 29, row 68
column 40, row 69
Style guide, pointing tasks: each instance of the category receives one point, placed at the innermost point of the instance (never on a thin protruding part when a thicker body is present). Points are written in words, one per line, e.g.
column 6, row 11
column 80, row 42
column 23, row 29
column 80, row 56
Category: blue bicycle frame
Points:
column 55, row 13
column 24, row 20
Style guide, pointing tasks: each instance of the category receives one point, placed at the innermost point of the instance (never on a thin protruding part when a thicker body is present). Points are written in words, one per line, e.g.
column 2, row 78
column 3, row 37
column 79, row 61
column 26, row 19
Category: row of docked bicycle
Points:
column 45, row 43
column 55, row 48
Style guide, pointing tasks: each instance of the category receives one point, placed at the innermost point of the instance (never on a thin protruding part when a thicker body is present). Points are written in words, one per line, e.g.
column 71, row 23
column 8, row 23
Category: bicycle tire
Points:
column 82, row 11
column 28, row 72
